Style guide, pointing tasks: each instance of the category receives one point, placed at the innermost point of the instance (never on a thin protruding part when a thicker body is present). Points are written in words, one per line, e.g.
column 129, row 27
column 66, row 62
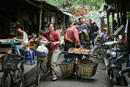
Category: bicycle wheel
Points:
column 77, row 71
column 95, row 51
column 77, row 68
column 19, row 75
column 105, row 58
column 6, row 80
column 38, row 74
column 111, row 78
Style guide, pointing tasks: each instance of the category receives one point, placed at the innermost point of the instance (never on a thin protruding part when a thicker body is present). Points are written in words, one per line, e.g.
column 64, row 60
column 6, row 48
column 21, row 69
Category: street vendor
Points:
column 24, row 38
column 72, row 37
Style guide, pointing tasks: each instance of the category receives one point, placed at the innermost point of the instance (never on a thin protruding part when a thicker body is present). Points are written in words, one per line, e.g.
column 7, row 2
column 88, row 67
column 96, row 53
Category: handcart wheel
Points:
column 77, row 72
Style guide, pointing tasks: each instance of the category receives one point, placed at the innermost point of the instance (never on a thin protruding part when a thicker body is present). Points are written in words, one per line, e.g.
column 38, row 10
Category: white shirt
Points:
column 126, row 26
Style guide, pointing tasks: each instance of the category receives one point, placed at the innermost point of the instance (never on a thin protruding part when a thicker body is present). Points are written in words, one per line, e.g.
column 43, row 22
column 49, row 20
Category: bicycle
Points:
column 85, row 44
column 77, row 60
column 99, row 50
column 41, row 64
column 12, row 66
column 41, row 67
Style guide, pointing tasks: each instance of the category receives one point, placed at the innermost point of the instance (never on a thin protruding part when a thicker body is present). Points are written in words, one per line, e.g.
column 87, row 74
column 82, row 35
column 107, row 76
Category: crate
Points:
column 87, row 68
column 66, row 68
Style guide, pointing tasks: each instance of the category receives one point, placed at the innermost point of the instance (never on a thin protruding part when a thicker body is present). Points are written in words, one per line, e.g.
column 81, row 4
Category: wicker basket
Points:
column 87, row 68
column 66, row 68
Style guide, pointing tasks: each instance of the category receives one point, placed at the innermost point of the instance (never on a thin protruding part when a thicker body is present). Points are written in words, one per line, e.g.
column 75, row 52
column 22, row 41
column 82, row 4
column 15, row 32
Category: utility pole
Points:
column 40, row 22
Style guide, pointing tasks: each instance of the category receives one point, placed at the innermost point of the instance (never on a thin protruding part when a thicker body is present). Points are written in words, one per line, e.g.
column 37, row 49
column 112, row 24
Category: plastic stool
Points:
column 32, row 58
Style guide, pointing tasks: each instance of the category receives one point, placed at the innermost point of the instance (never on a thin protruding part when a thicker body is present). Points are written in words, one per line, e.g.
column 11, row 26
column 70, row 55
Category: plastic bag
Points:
column 42, row 48
column 41, row 54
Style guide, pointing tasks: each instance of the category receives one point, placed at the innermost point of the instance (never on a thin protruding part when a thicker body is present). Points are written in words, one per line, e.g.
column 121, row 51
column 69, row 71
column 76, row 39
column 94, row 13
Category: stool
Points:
column 32, row 58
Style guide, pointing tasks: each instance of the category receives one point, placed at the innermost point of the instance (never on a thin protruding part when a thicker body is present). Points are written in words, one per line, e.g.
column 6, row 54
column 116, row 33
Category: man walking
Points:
column 90, row 30
column 95, row 31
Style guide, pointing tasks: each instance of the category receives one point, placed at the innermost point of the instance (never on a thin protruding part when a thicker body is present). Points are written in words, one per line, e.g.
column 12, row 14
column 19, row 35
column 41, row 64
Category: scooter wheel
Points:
column 118, row 81
column 124, row 81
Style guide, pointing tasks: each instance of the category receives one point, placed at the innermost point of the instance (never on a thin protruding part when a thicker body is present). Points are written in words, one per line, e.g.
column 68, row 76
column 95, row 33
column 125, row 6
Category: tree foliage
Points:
column 93, row 4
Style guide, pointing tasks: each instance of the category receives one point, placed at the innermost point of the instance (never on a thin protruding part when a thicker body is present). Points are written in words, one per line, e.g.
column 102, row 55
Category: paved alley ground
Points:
column 99, row 80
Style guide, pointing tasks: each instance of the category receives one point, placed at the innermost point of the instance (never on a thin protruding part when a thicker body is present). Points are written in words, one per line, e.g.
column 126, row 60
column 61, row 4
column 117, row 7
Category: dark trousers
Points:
column 91, row 36
column 68, row 45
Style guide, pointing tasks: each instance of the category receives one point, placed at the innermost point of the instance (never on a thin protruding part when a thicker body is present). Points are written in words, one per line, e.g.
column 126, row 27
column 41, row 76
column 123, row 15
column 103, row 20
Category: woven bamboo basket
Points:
column 87, row 68
column 66, row 68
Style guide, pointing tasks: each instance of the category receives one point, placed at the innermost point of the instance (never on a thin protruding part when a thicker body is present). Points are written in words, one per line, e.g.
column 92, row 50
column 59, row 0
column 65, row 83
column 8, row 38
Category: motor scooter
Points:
column 112, row 62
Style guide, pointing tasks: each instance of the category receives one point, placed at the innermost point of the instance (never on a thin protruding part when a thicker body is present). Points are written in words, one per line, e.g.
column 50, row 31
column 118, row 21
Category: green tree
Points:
column 93, row 4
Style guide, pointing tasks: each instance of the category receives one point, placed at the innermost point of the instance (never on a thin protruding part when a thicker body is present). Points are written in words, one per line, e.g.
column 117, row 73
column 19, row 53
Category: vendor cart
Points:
column 81, row 66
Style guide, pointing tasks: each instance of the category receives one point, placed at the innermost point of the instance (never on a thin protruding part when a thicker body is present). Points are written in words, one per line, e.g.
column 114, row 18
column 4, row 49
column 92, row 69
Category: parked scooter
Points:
column 107, row 50
column 112, row 53
column 115, row 66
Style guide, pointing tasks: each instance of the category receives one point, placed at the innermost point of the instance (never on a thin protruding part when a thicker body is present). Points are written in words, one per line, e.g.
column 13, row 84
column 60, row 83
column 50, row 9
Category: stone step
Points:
column 29, row 72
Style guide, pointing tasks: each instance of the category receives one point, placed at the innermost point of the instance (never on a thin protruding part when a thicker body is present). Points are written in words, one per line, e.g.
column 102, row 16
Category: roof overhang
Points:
column 66, row 13
column 48, row 6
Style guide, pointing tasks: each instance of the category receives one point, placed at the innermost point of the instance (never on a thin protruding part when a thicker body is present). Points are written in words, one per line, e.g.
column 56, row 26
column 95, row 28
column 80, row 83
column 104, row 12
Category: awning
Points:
column 48, row 7
column 66, row 13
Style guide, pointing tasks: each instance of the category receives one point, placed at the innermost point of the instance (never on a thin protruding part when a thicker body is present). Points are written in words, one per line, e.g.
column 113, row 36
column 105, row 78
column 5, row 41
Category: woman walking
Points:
column 53, row 37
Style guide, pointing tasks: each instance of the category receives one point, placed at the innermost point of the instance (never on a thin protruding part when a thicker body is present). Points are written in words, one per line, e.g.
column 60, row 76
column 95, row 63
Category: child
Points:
column 105, row 36
column 41, row 38
column 99, row 37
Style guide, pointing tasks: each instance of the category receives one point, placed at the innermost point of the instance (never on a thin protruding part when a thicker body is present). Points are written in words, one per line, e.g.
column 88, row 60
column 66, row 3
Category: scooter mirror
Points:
column 120, row 60
column 120, row 36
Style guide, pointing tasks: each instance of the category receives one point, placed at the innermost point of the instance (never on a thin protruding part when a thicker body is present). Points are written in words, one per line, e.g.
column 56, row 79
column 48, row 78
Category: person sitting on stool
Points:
column 24, row 39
